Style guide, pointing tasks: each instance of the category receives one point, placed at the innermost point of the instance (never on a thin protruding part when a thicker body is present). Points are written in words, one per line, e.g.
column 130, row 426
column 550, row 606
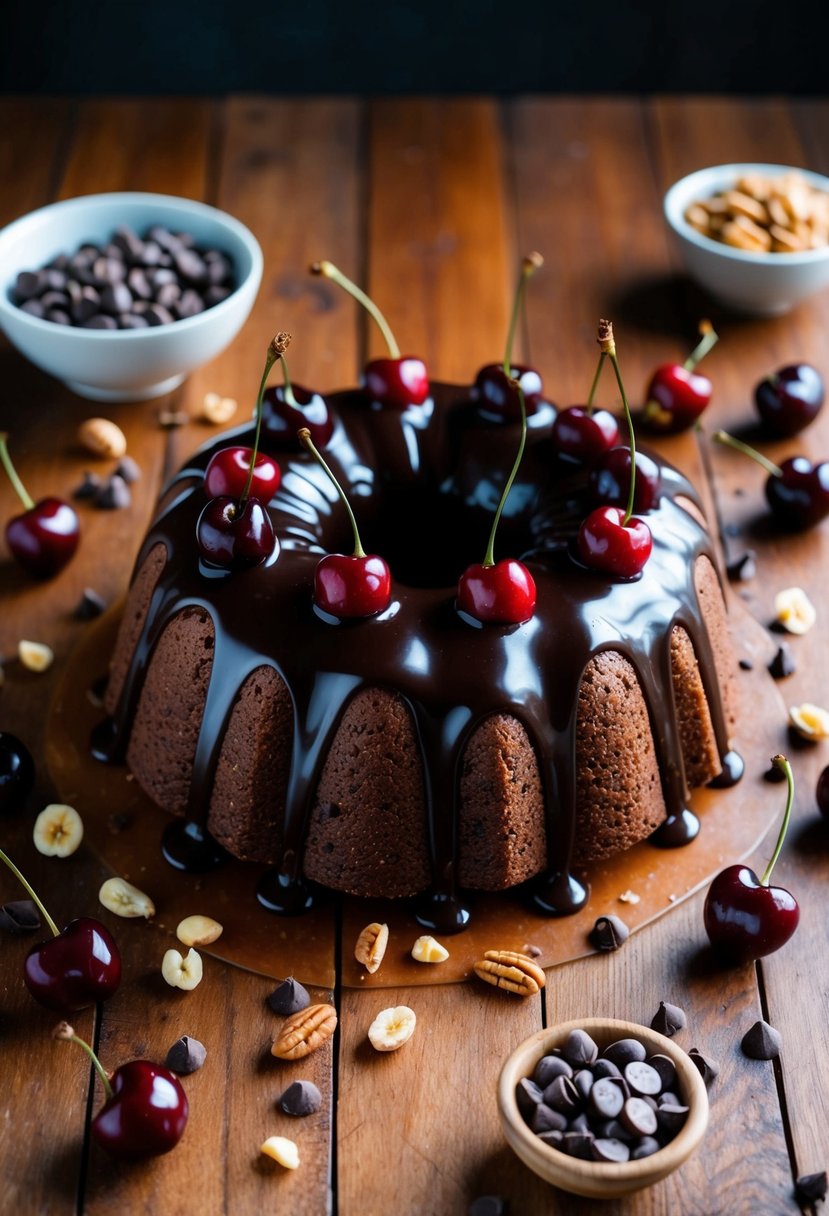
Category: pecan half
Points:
column 305, row 1031
column 371, row 946
column 512, row 971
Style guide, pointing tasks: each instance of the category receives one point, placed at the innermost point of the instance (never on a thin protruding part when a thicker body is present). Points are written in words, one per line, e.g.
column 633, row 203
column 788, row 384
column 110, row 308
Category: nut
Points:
column 392, row 1028
column 810, row 721
column 282, row 1150
column 35, row 656
column 794, row 610
column 629, row 897
column 371, row 946
column 181, row 972
column 781, row 214
column 427, row 950
column 218, row 409
column 58, row 830
column 122, row 898
column 305, row 1031
column 199, row 930
column 511, row 971
column 102, row 438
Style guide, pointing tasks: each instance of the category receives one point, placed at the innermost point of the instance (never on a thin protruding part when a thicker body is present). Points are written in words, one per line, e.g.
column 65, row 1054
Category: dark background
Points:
column 359, row 46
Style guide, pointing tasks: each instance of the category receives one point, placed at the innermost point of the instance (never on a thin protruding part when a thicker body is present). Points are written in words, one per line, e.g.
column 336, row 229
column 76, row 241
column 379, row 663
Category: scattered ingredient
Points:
column 128, row 469
column 488, row 1205
column 762, row 1042
column 169, row 419
column 35, row 656
column 283, row 1151
column 743, row 568
column 113, row 495
column 198, row 930
column 102, row 438
column 783, row 664
column 301, row 1098
column 289, row 997
column 90, row 606
column 811, row 1188
column 218, row 410
column 511, row 971
column 185, row 973
column 707, row 1067
column 58, row 830
column 609, row 933
column 629, row 897
column 531, row 951
column 810, row 721
column 427, row 950
column 794, row 610
column 782, row 214
column 186, row 1055
column 305, row 1031
column 89, row 486
column 17, row 773
column 392, row 1028
column 669, row 1019
column 20, row 916
column 371, row 946
column 122, row 898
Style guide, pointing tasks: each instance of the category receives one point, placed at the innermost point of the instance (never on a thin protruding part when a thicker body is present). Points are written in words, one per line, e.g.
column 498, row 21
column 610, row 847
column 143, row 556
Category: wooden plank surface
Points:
column 430, row 204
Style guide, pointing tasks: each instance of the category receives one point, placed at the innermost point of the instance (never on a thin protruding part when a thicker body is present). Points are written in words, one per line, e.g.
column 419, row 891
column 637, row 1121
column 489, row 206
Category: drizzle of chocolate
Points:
column 424, row 484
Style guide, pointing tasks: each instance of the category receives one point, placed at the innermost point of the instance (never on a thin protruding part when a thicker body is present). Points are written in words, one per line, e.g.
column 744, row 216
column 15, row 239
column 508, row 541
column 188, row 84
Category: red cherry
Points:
column 610, row 479
column 351, row 586
column 799, row 493
column 74, row 970
column 397, row 382
column 146, row 1115
column 677, row 394
column 583, row 433
column 17, row 773
column 606, row 543
column 282, row 418
column 235, row 535
column 790, row 398
column 227, row 474
column 497, row 394
column 44, row 537
column 503, row 594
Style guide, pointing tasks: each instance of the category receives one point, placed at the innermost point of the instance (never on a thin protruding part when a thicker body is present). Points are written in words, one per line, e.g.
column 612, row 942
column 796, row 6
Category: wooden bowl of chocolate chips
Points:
column 600, row 1107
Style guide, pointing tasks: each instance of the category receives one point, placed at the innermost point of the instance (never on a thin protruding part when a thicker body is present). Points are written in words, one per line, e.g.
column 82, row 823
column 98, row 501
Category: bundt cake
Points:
column 415, row 752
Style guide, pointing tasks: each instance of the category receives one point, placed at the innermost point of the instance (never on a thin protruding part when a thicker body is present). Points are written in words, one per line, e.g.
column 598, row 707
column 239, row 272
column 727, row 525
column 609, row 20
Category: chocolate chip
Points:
column 607, row 1097
column 623, row 1051
column 89, row 486
column 638, row 1117
column 668, row 1019
column 29, row 283
column 577, row 1144
column 707, row 1067
column 646, row 1147
column 783, row 664
column 528, row 1096
column 762, row 1042
column 59, row 316
column 186, row 1055
column 20, row 916
column 90, row 605
column 190, row 305
column 666, row 1068
column 118, row 822
column 489, row 1205
column 289, row 997
column 605, row 1068
column 609, row 933
column 138, row 284
column 612, row 1129
column 531, row 951
column 116, row 298
column 100, row 321
column 190, row 266
column 583, row 1081
column 550, row 1067
column 215, row 295
column 610, row 1150
column 151, row 254
column 671, row 1118
column 34, row 308
column 109, row 270
column 113, row 495
column 54, row 299
column 157, row 314
column 132, row 320
column 641, row 1078
column 811, row 1188
column 581, row 1124
column 545, row 1119
column 85, row 303
column 129, row 469
column 562, row 1095
column 168, row 294
column 129, row 241
column 301, row 1098
column 746, row 665
column 742, row 568
column 580, row 1048
column 555, row 1139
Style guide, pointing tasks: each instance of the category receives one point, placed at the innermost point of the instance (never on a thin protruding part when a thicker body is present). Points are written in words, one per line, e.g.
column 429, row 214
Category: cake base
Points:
column 124, row 828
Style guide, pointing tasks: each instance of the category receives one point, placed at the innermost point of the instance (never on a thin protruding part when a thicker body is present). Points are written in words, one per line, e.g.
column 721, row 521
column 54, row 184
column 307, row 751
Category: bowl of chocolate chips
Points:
column 122, row 295
column 602, row 1107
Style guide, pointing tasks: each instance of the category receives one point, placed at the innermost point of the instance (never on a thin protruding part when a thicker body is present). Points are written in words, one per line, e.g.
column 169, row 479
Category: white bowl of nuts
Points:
column 122, row 295
column 755, row 236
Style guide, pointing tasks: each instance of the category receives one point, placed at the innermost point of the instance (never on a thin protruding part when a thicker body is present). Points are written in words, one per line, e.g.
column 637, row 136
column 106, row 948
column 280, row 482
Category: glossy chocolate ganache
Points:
column 424, row 484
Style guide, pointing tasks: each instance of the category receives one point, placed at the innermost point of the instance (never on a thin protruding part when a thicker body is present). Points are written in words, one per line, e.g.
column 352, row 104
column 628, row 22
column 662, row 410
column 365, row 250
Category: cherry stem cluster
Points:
column 11, row 472
column 608, row 347
column 329, row 271
column 782, row 763
column 304, row 437
column 65, row 1032
column 279, row 344
column 529, row 265
column 728, row 441
column 24, row 882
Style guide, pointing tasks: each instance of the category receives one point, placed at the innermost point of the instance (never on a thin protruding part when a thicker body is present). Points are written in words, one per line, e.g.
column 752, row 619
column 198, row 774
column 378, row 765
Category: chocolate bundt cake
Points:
column 417, row 752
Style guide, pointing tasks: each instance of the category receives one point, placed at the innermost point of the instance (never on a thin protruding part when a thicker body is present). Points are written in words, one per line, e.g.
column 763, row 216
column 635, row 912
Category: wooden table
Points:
column 430, row 204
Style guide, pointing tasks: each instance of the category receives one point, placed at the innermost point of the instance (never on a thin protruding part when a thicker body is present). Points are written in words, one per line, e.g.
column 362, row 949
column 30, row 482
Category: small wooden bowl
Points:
column 600, row 1180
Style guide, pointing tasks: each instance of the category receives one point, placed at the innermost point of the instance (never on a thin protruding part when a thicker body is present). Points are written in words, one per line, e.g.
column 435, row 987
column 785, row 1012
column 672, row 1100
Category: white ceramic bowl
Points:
column 124, row 364
column 758, row 284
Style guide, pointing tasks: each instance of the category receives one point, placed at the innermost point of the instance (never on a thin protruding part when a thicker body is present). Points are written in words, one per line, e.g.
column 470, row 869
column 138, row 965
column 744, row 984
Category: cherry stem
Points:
column 729, row 441
column 489, row 557
column 709, row 339
column 529, row 265
column 288, row 389
column 8, row 861
column 304, row 437
column 608, row 345
column 329, row 271
column 276, row 350
column 595, row 384
column 65, row 1032
column 782, row 763
column 11, row 473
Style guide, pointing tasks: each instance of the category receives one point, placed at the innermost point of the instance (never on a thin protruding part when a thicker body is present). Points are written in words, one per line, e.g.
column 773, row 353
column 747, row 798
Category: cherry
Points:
column 610, row 539
column 745, row 918
column 610, row 479
column 395, row 380
column 797, row 491
column 501, row 593
column 75, row 968
column 17, row 773
column 677, row 394
column 790, row 398
column 146, row 1108
column 348, row 586
column 44, row 537
column 286, row 409
column 822, row 793
column 227, row 473
column 584, row 433
column 496, row 385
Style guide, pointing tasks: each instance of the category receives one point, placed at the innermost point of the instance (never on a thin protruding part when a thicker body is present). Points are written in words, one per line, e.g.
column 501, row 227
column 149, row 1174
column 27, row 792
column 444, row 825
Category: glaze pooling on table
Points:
column 424, row 484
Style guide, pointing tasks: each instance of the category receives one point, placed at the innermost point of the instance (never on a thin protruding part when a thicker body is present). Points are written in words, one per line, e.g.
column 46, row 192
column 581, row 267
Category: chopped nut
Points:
column 629, row 897
column 511, row 971
column 58, row 830
column 102, row 438
column 122, row 898
column 305, row 1032
column 216, row 409
column 371, row 946
column 181, row 972
column 427, row 950
column 782, row 214
column 35, row 656
column 283, row 1151
column 198, row 930
column 392, row 1028
column 810, row 721
column 794, row 610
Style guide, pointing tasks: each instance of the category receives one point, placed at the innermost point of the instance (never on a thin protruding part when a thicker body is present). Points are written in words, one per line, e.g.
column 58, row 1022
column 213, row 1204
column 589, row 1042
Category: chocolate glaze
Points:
column 424, row 484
